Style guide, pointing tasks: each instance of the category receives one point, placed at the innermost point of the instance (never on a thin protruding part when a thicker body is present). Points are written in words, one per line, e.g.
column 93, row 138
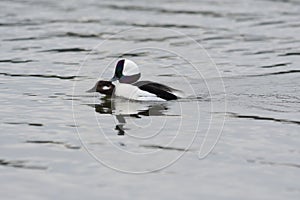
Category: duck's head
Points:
column 126, row 71
column 103, row 87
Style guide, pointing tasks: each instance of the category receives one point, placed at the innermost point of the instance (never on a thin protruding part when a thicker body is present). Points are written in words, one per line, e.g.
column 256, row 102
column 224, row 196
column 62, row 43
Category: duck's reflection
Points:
column 122, row 109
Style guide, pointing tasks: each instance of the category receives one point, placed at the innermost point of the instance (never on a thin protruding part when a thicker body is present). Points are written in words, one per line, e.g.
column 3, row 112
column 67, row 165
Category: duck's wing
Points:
column 154, row 84
column 160, row 90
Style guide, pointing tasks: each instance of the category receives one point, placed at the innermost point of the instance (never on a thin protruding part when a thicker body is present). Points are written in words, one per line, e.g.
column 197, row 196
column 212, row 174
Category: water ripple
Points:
column 273, row 163
column 15, row 61
column 40, row 76
column 68, row 146
column 20, row 164
column 62, row 50
column 256, row 117
column 291, row 54
column 152, row 146
column 275, row 73
column 29, row 124
column 163, row 10
column 275, row 65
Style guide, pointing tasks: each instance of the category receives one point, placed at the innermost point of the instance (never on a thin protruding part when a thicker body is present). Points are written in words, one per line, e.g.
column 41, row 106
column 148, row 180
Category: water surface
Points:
column 53, row 51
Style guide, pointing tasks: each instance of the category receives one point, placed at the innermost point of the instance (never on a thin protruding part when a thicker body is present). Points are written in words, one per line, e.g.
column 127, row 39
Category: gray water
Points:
column 235, row 135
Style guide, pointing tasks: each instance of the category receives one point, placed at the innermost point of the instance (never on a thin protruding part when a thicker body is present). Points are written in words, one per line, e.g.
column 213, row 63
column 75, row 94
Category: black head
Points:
column 103, row 87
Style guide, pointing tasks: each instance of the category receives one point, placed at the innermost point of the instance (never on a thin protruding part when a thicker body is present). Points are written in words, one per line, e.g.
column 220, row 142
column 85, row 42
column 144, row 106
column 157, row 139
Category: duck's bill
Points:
column 94, row 89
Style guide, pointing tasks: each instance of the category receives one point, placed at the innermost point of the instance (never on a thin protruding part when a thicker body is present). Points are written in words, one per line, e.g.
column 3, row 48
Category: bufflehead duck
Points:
column 125, row 84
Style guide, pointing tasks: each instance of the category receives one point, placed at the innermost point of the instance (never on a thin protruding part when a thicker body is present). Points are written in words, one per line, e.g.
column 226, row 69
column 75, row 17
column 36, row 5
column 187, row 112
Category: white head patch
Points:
column 105, row 88
column 130, row 68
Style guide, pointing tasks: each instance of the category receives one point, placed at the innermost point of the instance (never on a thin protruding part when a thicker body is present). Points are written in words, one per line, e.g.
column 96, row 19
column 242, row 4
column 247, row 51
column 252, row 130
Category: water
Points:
column 59, row 142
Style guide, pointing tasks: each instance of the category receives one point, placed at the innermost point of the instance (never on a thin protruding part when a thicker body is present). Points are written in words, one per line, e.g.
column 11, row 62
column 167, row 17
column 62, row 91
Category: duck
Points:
column 125, row 84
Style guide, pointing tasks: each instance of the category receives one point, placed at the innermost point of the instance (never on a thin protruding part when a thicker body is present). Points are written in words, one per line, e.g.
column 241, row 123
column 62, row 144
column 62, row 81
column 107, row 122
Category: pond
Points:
column 235, row 131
